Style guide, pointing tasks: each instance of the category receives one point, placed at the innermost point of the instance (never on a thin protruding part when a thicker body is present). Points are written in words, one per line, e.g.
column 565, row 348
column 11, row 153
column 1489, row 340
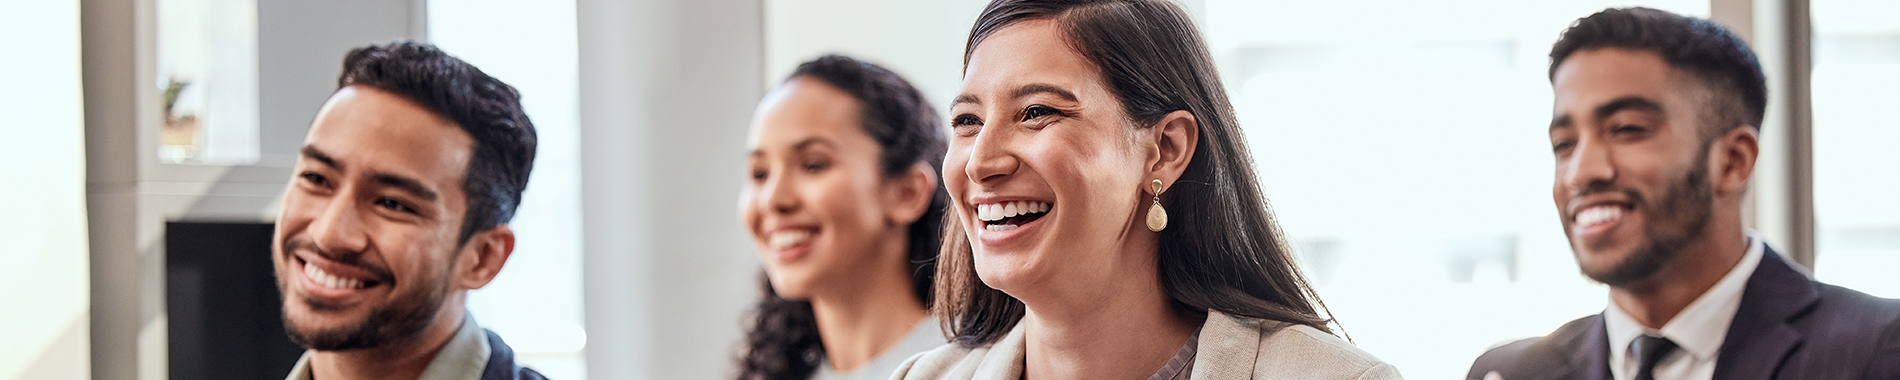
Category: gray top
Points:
column 462, row 359
column 1181, row 366
column 928, row 334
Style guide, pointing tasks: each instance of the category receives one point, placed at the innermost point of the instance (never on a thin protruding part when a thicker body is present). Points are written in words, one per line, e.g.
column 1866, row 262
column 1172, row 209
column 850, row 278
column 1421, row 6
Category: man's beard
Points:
column 404, row 317
column 1681, row 215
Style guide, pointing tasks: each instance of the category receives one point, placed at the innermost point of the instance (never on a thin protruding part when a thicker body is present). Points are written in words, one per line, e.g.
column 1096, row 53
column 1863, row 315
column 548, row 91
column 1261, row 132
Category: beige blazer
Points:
column 1230, row 348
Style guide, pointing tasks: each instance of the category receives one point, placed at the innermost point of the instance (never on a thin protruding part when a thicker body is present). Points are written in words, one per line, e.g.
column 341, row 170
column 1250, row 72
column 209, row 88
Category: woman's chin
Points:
column 790, row 289
column 1005, row 273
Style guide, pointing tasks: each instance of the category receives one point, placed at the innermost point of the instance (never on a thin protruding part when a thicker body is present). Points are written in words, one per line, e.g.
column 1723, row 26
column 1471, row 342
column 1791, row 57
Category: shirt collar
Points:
column 463, row 358
column 1700, row 328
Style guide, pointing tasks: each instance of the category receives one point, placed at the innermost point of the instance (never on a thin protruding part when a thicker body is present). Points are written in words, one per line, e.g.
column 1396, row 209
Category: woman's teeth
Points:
column 328, row 280
column 993, row 214
column 787, row 238
column 1598, row 215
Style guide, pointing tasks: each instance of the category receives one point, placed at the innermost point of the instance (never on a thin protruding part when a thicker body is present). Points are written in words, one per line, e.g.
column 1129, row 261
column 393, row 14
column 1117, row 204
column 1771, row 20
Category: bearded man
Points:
column 1655, row 132
column 399, row 207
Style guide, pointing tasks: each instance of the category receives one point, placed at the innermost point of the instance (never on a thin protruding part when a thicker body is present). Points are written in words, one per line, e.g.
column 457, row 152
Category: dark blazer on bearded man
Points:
column 1788, row 327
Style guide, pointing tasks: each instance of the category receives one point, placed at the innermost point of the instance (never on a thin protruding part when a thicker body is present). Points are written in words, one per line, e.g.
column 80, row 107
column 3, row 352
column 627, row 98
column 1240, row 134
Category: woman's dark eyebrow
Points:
column 810, row 141
column 964, row 98
column 1043, row 88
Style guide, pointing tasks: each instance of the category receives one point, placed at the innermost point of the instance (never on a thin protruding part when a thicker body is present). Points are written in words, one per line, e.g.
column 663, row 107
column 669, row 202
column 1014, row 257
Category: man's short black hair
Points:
column 484, row 107
column 1719, row 60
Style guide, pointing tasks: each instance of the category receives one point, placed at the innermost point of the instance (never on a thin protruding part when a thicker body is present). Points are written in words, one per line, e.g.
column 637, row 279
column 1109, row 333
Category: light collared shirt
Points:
column 463, row 358
column 1698, row 330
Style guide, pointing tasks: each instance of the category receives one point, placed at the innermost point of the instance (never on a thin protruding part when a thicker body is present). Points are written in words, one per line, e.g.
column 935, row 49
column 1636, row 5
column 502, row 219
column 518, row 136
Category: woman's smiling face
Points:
column 1044, row 168
column 817, row 204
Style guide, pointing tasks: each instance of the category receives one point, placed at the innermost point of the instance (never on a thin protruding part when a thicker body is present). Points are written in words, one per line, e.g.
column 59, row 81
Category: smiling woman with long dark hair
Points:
column 845, row 207
column 1108, row 223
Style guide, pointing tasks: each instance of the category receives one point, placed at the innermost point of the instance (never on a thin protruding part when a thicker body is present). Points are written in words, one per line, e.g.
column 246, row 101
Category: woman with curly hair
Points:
column 845, row 207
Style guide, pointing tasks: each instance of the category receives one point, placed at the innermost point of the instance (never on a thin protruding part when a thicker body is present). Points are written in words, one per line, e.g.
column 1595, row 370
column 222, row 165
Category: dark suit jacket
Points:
column 1788, row 327
column 501, row 362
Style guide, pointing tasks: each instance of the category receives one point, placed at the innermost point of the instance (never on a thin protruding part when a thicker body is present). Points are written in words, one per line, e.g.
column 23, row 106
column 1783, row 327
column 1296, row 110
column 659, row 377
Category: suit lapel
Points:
column 1591, row 358
column 1594, row 353
column 1760, row 337
column 1577, row 351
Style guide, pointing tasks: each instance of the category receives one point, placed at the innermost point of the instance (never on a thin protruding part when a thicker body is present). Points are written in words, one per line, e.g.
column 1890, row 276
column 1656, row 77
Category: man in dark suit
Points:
column 1655, row 136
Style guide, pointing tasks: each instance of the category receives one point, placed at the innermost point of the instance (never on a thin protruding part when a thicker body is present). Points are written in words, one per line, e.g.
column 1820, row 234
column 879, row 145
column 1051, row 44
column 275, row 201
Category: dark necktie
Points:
column 1649, row 350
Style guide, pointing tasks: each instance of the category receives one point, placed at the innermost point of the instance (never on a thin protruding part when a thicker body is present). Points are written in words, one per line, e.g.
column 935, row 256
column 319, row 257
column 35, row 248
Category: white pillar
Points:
column 666, row 90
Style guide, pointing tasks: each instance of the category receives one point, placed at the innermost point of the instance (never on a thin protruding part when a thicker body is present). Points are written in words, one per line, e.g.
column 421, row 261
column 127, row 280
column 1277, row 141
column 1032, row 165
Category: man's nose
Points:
column 1592, row 162
column 339, row 228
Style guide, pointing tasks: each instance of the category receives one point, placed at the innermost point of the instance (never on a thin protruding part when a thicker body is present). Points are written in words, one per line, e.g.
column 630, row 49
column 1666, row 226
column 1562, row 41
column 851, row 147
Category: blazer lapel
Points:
column 1228, row 348
column 1760, row 337
column 1004, row 361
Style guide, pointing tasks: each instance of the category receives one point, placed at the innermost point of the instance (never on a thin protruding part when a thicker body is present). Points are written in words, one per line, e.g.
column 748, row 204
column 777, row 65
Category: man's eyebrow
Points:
column 1562, row 121
column 1632, row 102
column 406, row 184
column 317, row 154
column 1043, row 88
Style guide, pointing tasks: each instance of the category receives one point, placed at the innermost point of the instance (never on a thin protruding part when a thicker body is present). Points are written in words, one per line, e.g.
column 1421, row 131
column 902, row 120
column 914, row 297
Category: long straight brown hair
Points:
column 1222, row 250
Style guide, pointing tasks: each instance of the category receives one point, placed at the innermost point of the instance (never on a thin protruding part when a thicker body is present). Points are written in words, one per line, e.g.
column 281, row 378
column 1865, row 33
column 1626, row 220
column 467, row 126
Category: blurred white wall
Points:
column 921, row 40
column 44, row 277
column 535, row 304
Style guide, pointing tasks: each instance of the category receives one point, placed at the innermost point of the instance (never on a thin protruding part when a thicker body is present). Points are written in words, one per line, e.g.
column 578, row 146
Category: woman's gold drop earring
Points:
column 1157, row 217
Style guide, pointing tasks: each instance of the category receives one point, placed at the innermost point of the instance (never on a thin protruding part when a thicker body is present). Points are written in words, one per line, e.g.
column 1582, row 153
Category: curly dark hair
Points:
column 783, row 341
column 484, row 107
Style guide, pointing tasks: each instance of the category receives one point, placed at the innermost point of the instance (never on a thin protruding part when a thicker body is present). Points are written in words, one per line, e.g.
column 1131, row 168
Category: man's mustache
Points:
column 1636, row 199
column 293, row 245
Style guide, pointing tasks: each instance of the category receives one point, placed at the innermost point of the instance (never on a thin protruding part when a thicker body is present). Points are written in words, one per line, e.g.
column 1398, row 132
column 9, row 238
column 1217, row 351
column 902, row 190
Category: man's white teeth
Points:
column 787, row 238
column 999, row 211
column 330, row 281
column 1597, row 215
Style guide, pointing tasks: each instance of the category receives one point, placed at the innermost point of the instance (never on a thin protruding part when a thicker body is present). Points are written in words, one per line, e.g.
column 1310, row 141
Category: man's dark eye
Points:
column 315, row 179
column 1628, row 129
column 394, row 205
column 758, row 175
column 816, row 166
column 1562, row 146
column 1034, row 112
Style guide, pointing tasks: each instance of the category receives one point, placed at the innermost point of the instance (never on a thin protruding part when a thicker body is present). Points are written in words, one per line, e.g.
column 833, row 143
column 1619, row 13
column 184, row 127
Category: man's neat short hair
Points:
column 487, row 109
column 1718, row 59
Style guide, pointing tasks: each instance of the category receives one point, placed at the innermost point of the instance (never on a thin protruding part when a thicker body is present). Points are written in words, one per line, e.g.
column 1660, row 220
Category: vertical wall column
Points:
column 667, row 88
column 1782, row 195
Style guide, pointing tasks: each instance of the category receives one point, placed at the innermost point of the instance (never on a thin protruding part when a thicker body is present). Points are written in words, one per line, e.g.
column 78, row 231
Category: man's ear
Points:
column 907, row 197
column 1734, row 162
column 483, row 255
column 1176, row 137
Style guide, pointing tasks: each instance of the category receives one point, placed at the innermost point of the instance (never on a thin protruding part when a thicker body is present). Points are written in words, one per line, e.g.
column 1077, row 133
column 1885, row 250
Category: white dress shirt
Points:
column 1698, row 330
